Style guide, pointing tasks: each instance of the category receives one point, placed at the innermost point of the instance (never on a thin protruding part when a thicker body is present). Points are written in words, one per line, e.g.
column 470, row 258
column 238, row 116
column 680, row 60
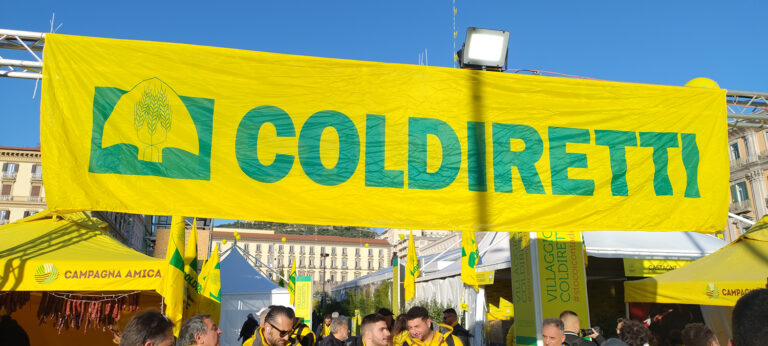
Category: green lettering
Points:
column 309, row 148
column 476, row 156
column 660, row 142
column 560, row 160
column 375, row 143
column 418, row 177
column 247, row 140
column 617, row 141
column 691, row 164
column 525, row 161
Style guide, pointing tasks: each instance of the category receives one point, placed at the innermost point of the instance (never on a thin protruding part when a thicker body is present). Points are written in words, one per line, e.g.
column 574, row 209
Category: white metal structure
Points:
column 745, row 108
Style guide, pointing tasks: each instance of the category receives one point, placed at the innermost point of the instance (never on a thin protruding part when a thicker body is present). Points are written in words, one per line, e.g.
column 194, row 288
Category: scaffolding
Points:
column 746, row 109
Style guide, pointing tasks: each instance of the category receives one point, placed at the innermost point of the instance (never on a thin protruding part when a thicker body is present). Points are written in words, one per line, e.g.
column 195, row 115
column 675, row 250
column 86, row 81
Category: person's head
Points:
column 263, row 313
column 634, row 333
column 340, row 328
column 199, row 330
column 401, row 324
column 389, row 317
column 419, row 324
column 250, row 317
column 571, row 321
column 450, row 317
column 375, row 330
column 619, row 323
column 698, row 334
column 750, row 319
column 148, row 328
column 327, row 319
column 552, row 332
column 278, row 325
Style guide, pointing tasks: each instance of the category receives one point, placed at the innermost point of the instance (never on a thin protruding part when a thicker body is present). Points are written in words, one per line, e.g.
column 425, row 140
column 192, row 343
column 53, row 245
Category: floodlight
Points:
column 484, row 48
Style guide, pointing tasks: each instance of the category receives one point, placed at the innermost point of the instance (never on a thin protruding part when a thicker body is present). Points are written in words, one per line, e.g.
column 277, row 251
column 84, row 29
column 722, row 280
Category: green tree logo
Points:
column 473, row 255
column 152, row 119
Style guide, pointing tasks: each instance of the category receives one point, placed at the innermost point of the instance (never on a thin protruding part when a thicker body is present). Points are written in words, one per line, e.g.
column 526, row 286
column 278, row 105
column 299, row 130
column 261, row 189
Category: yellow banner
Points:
column 562, row 275
column 485, row 278
column 164, row 129
column 522, row 289
column 303, row 302
column 650, row 267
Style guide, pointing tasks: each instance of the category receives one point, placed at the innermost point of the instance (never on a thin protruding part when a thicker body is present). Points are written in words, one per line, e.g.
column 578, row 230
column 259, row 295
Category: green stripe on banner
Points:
column 525, row 340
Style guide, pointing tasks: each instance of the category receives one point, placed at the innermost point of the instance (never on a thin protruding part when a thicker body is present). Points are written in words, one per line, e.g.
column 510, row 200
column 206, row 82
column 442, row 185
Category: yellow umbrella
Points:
column 718, row 279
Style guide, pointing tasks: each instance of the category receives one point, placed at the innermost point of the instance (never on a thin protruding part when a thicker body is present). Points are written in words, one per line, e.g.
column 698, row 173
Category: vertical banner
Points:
column 303, row 298
column 395, row 285
column 548, row 277
column 562, row 278
column 522, row 289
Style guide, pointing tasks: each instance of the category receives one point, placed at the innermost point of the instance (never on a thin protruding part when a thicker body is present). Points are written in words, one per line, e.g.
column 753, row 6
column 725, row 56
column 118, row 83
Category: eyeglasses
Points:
column 283, row 333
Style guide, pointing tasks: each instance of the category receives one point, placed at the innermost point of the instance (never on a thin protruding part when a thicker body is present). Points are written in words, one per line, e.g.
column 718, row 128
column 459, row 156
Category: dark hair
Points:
column 697, row 334
column 634, row 333
column 568, row 313
column 327, row 316
column 450, row 311
column 385, row 312
column 277, row 310
column 371, row 319
column 417, row 312
column 750, row 318
column 150, row 325
column 401, row 324
column 555, row 322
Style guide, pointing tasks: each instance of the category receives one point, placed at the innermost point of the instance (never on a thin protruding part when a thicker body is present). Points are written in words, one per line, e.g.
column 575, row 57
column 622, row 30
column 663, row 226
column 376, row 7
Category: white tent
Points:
column 243, row 291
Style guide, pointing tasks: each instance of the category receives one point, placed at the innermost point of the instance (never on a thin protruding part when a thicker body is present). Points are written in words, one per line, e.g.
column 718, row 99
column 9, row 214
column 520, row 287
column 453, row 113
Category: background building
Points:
column 22, row 194
column 347, row 258
column 422, row 239
column 749, row 161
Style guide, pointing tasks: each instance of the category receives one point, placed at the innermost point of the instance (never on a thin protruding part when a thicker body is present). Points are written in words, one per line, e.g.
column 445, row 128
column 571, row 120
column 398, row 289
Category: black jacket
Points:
column 572, row 339
column 331, row 340
column 462, row 333
column 246, row 331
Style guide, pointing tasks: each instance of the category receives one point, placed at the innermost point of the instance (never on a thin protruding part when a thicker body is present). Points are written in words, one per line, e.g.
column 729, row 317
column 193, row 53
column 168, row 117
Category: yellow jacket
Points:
column 257, row 339
column 443, row 337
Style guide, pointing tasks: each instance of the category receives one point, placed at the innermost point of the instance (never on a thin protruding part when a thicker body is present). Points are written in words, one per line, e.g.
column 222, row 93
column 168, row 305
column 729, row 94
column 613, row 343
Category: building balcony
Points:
column 38, row 199
column 740, row 207
column 9, row 175
column 37, row 176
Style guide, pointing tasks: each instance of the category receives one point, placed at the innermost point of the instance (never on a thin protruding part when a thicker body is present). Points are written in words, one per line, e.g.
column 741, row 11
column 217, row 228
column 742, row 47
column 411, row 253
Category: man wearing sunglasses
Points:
column 276, row 329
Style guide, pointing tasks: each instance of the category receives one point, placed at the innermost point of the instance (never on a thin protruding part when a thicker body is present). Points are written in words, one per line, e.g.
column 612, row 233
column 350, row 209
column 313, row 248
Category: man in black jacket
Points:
column 248, row 328
column 339, row 332
column 572, row 327
column 452, row 319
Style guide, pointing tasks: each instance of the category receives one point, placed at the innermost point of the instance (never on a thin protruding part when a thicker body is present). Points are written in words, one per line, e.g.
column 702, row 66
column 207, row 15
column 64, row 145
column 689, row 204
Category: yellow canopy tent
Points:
column 66, row 254
column 718, row 279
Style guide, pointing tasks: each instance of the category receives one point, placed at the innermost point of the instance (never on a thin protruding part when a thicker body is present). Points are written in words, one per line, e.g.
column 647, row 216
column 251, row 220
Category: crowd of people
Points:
column 280, row 327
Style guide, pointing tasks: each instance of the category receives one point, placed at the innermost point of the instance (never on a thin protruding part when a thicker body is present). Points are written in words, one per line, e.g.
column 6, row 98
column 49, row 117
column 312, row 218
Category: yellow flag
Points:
column 191, row 273
column 411, row 270
column 469, row 258
column 210, row 295
column 292, row 282
column 173, row 282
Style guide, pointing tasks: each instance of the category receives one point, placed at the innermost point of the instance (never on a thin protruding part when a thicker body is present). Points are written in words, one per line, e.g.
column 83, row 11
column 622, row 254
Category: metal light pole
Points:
column 323, row 256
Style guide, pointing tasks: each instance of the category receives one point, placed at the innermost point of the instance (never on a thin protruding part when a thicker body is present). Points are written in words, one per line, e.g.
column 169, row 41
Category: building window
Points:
column 10, row 170
column 747, row 150
column 245, row 247
column 322, row 250
column 5, row 215
column 322, row 261
column 333, row 250
column 279, row 262
column 343, row 264
column 311, row 250
column 739, row 192
column 37, row 171
column 290, row 249
column 280, row 248
column 301, row 250
column 357, row 252
column 344, row 277
column 322, row 277
column 301, row 262
column 258, row 247
column 370, row 264
column 271, row 248
column 311, row 262
column 6, row 191
column 370, row 252
column 344, row 251
column 735, row 154
column 333, row 278
column 333, row 263
column 269, row 259
column 381, row 252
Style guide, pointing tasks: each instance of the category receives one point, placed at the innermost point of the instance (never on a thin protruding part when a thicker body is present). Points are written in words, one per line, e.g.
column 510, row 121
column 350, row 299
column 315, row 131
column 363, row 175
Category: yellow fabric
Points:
column 210, row 279
column 412, row 271
column 717, row 279
column 510, row 341
column 190, row 273
column 326, row 330
column 72, row 253
column 260, row 334
column 173, row 284
column 469, row 258
column 400, row 338
column 562, row 274
column 292, row 282
column 424, row 135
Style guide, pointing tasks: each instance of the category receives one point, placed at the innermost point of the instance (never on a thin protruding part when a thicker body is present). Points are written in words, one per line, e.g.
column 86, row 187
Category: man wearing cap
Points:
column 389, row 317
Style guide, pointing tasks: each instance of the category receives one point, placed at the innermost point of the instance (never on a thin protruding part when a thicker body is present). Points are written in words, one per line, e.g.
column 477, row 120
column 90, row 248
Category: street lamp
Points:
column 484, row 49
column 323, row 256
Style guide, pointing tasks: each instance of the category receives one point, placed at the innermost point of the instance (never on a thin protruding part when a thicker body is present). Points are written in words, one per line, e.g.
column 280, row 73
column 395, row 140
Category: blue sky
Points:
column 657, row 42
